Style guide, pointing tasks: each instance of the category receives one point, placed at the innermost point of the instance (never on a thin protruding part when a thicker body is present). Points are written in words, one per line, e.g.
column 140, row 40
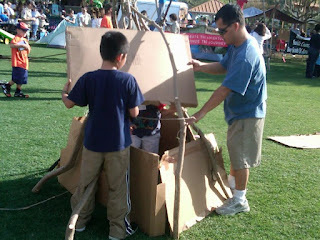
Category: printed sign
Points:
column 297, row 44
column 206, row 39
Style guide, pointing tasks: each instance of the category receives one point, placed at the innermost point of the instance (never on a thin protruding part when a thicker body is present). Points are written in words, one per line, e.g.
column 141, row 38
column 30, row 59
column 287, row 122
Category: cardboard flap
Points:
column 143, row 183
column 148, row 60
column 199, row 194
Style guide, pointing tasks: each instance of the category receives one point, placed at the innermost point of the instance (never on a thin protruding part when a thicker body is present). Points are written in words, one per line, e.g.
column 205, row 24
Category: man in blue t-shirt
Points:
column 113, row 97
column 244, row 94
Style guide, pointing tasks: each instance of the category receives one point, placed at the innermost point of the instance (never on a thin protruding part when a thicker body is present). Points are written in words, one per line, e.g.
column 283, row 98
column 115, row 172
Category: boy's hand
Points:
column 132, row 127
column 67, row 86
column 27, row 47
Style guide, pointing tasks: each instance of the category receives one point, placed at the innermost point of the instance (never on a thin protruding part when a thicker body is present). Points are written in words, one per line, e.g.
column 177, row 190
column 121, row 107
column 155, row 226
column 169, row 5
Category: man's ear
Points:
column 237, row 26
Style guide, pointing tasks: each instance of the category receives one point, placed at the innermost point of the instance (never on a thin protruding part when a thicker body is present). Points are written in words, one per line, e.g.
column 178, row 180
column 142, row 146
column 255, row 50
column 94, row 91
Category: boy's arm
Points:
column 134, row 112
column 21, row 45
column 64, row 95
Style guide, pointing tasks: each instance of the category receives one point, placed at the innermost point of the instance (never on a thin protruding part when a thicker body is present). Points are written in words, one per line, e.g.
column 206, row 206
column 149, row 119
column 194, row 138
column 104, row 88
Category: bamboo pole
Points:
column 115, row 20
column 182, row 135
column 75, row 213
column 68, row 166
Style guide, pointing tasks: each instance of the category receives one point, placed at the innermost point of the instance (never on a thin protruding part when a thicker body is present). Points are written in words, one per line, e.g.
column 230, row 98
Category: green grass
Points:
column 283, row 192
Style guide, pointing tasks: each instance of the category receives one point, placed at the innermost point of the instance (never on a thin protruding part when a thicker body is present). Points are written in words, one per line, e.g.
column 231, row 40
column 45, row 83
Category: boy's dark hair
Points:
column 260, row 29
column 173, row 16
column 229, row 14
column 112, row 45
column 108, row 7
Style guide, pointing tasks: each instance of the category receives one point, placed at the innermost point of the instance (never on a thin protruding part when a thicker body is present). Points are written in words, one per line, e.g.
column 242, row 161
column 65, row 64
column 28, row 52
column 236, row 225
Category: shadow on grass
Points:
column 29, row 99
column 37, row 74
column 47, row 59
column 49, row 219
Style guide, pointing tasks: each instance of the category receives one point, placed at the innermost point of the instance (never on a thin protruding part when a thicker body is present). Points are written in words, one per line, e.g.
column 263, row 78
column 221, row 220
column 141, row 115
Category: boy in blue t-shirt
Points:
column 113, row 97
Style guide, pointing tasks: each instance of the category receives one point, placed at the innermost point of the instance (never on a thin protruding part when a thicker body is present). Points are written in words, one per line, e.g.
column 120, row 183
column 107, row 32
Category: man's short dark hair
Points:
column 112, row 45
column 230, row 13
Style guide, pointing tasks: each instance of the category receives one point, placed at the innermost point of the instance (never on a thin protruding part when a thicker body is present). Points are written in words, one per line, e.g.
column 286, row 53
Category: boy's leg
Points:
column 151, row 143
column 136, row 141
column 118, row 205
column 20, row 76
column 90, row 167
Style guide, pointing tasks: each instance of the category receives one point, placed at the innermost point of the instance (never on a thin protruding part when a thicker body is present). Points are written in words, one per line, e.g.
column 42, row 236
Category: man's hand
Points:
column 196, row 64
column 195, row 118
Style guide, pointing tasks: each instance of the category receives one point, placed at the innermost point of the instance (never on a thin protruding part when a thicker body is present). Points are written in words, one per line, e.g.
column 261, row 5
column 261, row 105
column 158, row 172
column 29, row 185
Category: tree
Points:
column 302, row 9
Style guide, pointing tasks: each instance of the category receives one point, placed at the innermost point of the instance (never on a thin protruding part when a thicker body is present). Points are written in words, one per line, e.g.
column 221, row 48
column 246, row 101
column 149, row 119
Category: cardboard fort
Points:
column 148, row 60
column 152, row 191
column 152, row 196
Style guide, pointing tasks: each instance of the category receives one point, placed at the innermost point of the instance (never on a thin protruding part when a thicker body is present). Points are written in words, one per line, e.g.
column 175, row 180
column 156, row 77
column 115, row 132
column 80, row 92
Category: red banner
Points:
column 206, row 39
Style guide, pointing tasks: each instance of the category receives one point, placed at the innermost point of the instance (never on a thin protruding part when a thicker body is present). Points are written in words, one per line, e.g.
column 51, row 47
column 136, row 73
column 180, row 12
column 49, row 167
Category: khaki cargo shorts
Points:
column 244, row 140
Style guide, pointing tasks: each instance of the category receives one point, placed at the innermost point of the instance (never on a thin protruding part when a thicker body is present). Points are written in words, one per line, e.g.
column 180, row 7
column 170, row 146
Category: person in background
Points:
column 20, row 49
column 174, row 27
column 313, row 52
column 35, row 23
column 261, row 33
column 106, row 21
column 113, row 97
column 84, row 18
column 96, row 18
column 26, row 13
column 1, row 8
column 71, row 18
column 244, row 93
column 316, row 72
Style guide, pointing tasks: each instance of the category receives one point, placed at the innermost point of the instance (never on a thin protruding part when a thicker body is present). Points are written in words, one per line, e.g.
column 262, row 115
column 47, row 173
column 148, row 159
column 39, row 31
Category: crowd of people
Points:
column 109, row 129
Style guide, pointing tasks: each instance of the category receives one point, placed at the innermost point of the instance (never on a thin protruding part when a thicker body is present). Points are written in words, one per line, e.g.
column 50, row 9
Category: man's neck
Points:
column 243, row 36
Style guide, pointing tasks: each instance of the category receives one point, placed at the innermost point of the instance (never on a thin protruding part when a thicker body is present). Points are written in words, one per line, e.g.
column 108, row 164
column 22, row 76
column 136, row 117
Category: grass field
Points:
column 283, row 192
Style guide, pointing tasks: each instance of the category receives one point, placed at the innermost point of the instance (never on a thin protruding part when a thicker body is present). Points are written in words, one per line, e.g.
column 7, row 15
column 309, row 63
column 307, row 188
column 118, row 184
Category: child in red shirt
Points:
column 20, row 49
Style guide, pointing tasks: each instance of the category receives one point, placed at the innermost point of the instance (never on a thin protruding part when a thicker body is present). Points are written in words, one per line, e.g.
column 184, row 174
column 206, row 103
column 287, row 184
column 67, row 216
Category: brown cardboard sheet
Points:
column 199, row 194
column 148, row 60
column 299, row 141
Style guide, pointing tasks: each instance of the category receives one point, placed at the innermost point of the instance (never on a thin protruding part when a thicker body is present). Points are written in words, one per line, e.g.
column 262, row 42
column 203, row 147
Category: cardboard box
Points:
column 148, row 61
column 151, row 198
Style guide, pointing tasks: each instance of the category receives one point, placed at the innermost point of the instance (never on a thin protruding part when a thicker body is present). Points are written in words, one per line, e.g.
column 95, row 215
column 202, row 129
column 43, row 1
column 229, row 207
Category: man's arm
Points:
column 216, row 98
column 214, row 68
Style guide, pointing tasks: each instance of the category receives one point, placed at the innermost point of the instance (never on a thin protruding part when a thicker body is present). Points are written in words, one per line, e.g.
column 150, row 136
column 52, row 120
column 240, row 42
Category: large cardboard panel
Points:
column 199, row 194
column 148, row 60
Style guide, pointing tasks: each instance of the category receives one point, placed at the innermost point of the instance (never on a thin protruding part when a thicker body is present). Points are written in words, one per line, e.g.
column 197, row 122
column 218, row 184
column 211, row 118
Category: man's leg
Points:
column 244, row 146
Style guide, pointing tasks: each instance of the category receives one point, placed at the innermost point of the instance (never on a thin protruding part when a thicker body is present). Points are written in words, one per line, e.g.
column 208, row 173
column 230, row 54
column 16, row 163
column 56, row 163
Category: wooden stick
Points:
column 75, row 214
column 68, row 166
column 115, row 20
column 213, row 163
column 182, row 140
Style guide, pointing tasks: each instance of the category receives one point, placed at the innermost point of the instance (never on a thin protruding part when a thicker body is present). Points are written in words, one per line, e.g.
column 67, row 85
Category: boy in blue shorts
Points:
column 113, row 97
column 20, row 49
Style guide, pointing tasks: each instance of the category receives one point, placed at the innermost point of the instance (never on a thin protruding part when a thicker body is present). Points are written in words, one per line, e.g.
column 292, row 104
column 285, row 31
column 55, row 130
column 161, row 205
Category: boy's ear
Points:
column 120, row 57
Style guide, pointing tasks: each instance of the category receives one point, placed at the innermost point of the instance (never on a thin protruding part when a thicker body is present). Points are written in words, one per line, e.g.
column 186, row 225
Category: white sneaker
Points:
column 233, row 206
column 80, row 229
